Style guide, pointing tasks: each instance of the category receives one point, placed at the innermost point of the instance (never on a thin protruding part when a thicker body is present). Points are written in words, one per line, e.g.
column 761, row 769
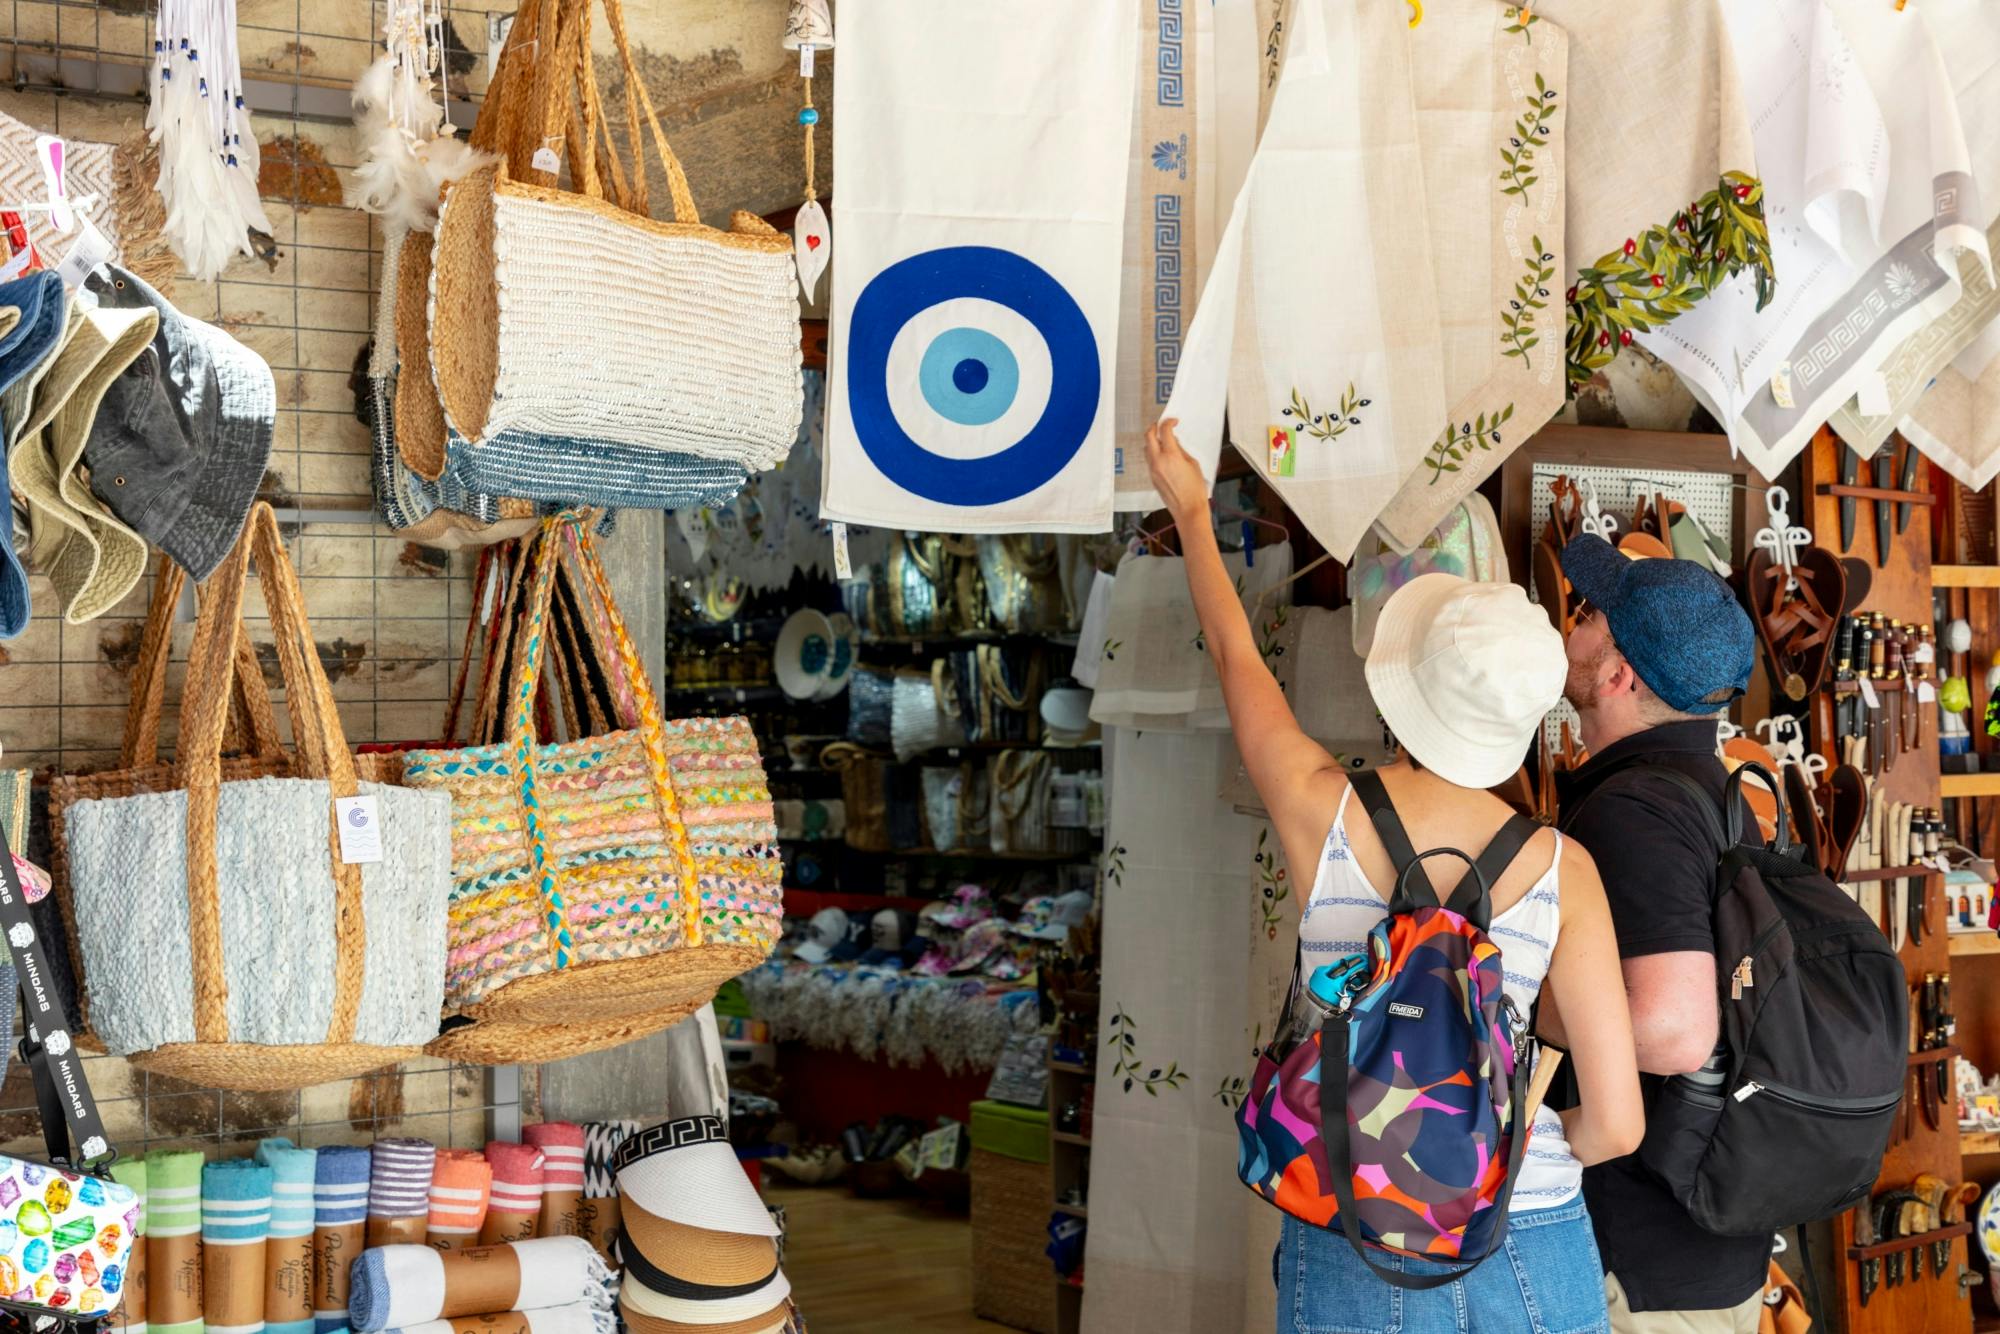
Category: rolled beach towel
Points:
column 235, row 1223
column 561, row 1143
column 460, row 1186
column 514, row 1212
column 340, row 1218
column 130, row 1317
column 396, row 1287
column 573, row 1319
column 399, row 1190
column 288, row 1253
column 173, row 1242
column 597, row 1214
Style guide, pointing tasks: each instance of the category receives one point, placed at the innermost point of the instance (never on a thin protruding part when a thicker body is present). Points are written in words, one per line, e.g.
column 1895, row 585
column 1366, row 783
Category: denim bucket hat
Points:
column 179, row 446
column 42, row 310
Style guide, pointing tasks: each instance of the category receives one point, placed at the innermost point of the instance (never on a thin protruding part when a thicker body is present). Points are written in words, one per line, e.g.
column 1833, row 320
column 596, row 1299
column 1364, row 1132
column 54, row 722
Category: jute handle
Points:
column 322, row 753
column 250, row 704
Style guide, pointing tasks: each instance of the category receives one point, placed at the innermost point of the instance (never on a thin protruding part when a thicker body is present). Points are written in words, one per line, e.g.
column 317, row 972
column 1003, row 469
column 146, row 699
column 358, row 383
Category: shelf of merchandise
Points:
column 1974, row 1143
column 1965, row 576
column 1069, row 1156
column 1970, row 785
column 1972, row 943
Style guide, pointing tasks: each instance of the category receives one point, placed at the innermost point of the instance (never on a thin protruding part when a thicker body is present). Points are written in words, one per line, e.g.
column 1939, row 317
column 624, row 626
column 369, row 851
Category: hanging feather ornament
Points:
column 809, row 28
column 410, row 151
column 208, row 153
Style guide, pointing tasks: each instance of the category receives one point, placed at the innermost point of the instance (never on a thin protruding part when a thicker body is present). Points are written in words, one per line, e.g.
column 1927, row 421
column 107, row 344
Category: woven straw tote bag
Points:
column 615, row 874
column 225, row 942
column 497, row 1042
column 572, row 313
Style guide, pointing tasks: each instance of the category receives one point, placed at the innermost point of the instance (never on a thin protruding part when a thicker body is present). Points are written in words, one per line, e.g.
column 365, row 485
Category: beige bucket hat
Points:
column 91, row 558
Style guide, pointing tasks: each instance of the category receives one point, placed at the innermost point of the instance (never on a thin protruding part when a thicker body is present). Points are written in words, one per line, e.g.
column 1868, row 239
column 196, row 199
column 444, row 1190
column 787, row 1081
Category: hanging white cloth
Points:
column 1318, row 328
column 1957, row 421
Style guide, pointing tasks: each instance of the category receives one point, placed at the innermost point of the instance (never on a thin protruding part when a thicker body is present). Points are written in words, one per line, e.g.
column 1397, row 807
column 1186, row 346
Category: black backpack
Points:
column 1789, row 1121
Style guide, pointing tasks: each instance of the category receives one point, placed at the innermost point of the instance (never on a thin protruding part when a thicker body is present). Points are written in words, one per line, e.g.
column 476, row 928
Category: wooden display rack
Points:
column 1902, row 590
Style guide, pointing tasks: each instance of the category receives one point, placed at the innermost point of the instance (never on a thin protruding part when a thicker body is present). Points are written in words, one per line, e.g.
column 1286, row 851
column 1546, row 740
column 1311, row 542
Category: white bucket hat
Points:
column 1463, row 673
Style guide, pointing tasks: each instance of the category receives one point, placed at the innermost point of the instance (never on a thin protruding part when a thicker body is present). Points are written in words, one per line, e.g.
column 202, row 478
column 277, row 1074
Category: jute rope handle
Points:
column 250, row 704
column 520, row 735
column 502, row 637
column 624, row 696
column 322, row 754
column 482, row 573
column 1015, row 771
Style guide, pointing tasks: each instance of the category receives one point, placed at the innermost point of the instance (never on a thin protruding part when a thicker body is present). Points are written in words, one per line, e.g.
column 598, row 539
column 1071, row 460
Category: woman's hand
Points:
column 1176, row 476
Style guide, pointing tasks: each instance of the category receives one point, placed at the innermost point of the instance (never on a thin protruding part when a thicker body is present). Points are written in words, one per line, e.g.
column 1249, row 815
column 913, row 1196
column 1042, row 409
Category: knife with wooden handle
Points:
column 1885, row 475
column 1850, row 465
column 1906, row 482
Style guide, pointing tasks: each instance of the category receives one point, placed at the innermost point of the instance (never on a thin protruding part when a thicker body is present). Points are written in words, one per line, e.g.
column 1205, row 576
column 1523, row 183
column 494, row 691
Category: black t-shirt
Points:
column 1657, row 856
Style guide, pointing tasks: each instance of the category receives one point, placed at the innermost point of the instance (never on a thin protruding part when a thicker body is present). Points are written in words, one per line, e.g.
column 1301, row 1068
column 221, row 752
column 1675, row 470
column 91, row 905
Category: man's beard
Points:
column 1580, row 686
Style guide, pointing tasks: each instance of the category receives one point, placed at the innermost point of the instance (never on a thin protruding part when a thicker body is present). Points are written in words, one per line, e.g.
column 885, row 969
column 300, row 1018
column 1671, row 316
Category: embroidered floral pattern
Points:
column 1901, row 282
column 1531, row 130
column 1114, row 864
column 1123, row 1037
column 1522, row 20
column 1327, row 425
column 1531, row 293
column 1459, row 443
column 1111, row 647
column 1661, row 273
column 1273, row 883
column 1268, row 646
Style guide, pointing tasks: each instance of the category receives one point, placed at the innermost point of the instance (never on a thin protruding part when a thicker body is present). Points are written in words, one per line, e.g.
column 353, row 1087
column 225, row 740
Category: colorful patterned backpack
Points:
column 1392, row 1103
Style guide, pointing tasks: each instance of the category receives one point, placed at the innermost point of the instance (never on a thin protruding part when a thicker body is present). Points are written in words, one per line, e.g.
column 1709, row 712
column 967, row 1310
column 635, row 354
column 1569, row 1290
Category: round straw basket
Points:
column 603, row 992
column 497, row 1042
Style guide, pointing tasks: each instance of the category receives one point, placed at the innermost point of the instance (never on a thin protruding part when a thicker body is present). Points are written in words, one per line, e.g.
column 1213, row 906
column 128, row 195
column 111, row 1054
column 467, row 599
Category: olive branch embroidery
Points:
column 1273, row 884
column 1457, row 444
column 1114, row 864
column 1111, row 647
column 1661, row 274
column 1235, row 1090
column 1524, row 21
column 1530, row 131
column 1531, row 294
column 1125, row 1044
column 1316, row 424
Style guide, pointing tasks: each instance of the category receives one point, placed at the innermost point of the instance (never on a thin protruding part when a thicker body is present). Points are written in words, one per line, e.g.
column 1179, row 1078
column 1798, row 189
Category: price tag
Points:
column 360, row 825
column 1872, row 395
column 545, row 159
column 1924, row 652
column 16, row 266
column 1926, row 692
column 90, row 253
column 1781, row 386
column 1868, row 695
column 806, row 61
column 843, row 564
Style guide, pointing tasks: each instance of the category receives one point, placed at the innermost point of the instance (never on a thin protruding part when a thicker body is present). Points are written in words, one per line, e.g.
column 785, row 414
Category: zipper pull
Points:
column 1750, row 1086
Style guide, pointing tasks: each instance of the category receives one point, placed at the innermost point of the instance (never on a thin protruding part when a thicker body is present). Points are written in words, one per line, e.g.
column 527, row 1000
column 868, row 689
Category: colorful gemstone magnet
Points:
column 10, row 1191
column 76, row 1232
column 34, row 1174
column 60, row 1297
column 90, row 1301
column 35, row 1256
column 44, row 1288
column 58, row 1196
column 10, row 1275
column 33, row 1218
column 86, row 1267
column 109, row 1240
column 64, row 1268
column 114, row 1278
column 91, row 1191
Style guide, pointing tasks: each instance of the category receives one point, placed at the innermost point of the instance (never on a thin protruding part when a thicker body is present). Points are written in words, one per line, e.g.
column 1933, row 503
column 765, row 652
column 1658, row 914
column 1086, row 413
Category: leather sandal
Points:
column 1763, row 802
column 1802, row 801
column 1849, row 791
column 1795, row 625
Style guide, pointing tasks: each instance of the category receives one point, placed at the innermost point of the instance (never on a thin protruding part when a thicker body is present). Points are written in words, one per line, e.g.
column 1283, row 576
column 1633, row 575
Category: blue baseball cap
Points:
column 1678, row 624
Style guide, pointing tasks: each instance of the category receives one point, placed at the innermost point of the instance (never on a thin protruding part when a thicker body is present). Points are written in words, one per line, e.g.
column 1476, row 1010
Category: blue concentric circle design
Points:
column 971, row 377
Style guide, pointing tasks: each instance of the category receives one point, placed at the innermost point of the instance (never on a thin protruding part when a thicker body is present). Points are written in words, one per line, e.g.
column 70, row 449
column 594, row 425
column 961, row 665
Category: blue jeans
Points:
column 1545, row 1279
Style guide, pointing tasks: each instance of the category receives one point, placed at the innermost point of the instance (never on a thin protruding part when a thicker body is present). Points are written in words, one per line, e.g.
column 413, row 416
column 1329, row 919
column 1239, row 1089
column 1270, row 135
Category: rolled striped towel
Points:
column 400, row 1286
column 399, row 1190
column 561, row 1143
column 515, row 1210
column 288, row 1299
column 601, row 1140
column 460, row 1187
column 130, row 1317
column 340, row 1217
column 573, row 1319
column 173, row 1242
column 235, row 1221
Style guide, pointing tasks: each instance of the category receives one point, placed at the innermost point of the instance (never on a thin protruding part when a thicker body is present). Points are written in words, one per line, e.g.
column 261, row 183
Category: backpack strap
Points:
column 1470, row 898
column 1725, row 826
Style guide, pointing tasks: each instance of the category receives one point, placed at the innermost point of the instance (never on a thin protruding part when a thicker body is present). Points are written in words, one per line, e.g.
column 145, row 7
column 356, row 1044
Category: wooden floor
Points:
column 877, row 1266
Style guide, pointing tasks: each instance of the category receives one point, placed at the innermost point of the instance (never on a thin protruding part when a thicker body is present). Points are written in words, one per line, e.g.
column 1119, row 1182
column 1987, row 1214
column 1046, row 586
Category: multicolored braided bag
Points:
column 1392, row 1107
column 607, row 875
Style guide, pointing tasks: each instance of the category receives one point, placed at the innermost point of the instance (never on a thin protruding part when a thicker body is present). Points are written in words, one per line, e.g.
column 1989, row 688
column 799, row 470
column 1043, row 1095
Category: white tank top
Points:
column 1344, row 907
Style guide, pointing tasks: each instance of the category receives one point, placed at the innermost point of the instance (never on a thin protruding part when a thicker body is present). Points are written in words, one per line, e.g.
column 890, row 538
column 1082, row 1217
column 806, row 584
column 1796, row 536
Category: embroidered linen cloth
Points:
column 1319, row 324
column 975, row 315
column 1491, row 112
column 1667, row 205
column 1957, row 421
column 1868, row 177
column 1155, row 672
column 1193, row 130
column 1967, row 34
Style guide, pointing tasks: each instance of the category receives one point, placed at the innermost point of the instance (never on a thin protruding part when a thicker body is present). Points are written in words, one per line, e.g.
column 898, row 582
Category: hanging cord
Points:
column 1257, row 607
column 809, row 117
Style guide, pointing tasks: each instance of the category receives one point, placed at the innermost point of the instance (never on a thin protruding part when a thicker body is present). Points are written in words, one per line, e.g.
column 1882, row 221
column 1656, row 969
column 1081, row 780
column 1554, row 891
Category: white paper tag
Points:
column 1943, row 865
column 1781, row 386
column 545, row 159
column 843, row 565
column 806, row 61
column 90, row 251
column 1926, row 692
column 16, row 265
column 1868, row 693
column 1872, row 395
column 488, row 595
column 1924, row 652
column 360, row 825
